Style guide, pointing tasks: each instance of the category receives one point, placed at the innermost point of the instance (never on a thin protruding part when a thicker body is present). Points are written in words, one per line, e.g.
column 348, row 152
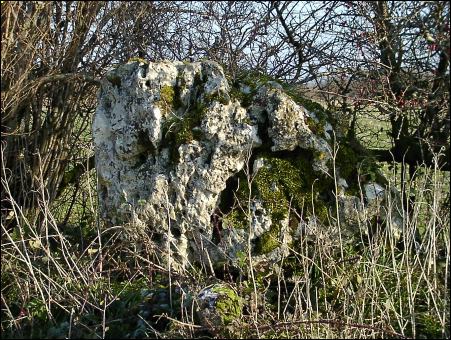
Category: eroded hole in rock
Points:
column 209, row 158
column 228, row 194
column 176, row 231
column 156, row 237
column 216, row 221
column 142, row 158
column 292, row 155
column 103, row 191
column 263, row 127
column 143, row 70
column 145, row 142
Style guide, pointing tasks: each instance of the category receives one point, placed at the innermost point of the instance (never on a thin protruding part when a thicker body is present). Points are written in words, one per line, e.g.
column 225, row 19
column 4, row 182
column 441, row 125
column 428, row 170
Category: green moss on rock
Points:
column 228, row 305
column 268, row 241
column 193, row 119
column 284, row 182
column 295, row 181
column 271, row 180
column 166, row 102
column 182, row 130
column 314, row 126
column 356, row 166
column 235, row 219
column 218, row 305
column 167, row 94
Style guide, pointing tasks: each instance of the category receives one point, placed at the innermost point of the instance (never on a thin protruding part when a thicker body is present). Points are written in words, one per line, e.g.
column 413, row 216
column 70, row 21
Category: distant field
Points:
column 372, row 129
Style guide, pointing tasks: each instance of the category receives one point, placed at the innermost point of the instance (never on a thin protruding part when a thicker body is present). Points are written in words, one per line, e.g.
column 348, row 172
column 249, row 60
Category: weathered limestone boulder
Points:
column 210, row 168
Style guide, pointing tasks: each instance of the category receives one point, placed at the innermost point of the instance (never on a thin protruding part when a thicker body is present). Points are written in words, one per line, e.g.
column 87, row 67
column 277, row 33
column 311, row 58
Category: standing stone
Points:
column 176, row 148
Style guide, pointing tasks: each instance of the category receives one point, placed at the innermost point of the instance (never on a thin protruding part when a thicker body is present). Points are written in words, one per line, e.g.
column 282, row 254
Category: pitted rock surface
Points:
column 169, row 135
